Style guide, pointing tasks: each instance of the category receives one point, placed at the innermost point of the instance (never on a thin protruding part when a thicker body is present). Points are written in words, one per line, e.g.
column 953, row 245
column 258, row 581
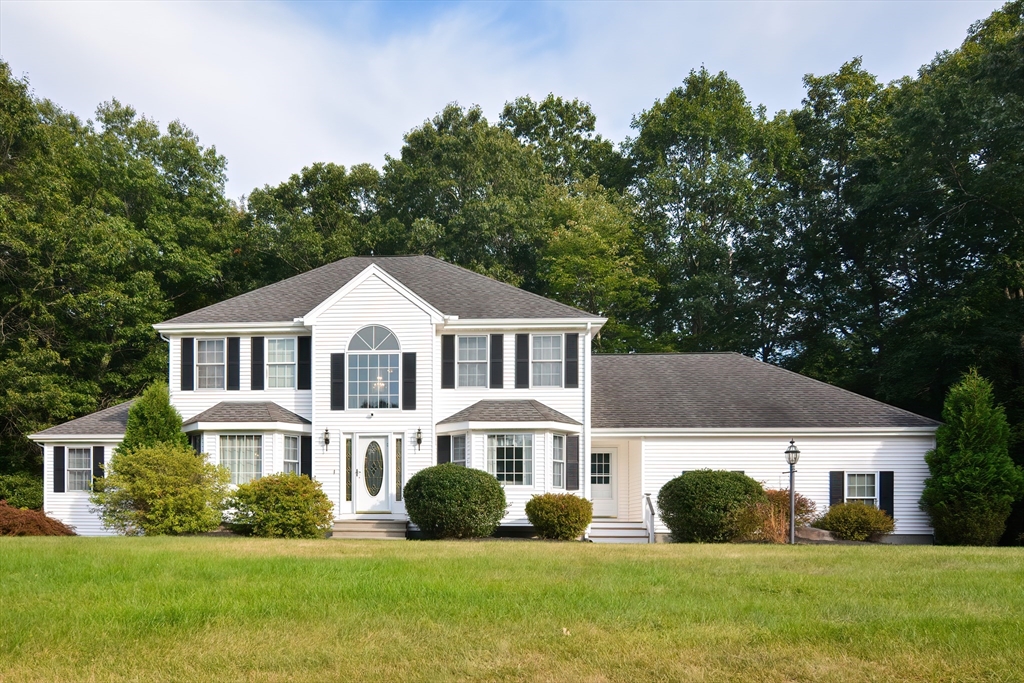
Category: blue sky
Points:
column 276, row 86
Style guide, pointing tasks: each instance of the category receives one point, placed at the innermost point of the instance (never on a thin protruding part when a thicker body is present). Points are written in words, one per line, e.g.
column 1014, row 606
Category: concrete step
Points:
column 368, row 529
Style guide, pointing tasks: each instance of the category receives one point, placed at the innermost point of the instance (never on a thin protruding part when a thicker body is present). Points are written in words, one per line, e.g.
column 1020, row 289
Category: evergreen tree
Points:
column 152, row 420
column 973, row 481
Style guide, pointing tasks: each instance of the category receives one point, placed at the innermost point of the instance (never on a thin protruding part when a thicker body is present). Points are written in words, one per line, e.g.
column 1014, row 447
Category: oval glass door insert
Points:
column 373, row 468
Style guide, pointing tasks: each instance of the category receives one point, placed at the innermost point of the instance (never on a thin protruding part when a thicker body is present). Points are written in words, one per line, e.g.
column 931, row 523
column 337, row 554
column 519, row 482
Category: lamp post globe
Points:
column 792, row 457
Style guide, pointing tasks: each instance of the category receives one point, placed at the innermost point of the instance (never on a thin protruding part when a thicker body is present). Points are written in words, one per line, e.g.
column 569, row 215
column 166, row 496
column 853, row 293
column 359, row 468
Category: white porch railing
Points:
column 649, row 518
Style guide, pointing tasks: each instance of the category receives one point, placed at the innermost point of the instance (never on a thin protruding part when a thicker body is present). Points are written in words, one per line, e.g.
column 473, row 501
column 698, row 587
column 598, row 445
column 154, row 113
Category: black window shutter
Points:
column 408, row 381
column 58, row 469
column 234, row 363
column 306, row 455
column 256, row 371
column 572, row 463
column 447, row 361
column 188, row 362
column 305, row 379
column 572, row 360
column 444, row 449
column 522, row 361
column 337, row 381
column 97, row 461
column 885, row 492
column 836, row 494
column 497, row 361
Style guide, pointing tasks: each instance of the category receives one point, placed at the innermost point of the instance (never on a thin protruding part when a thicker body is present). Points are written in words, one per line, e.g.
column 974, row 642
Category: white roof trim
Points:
column 597, row 432
column 231, row 328
column 521, row 323
column 248, row 427
column 61, row 438
column 372, row 270
column 538, row 426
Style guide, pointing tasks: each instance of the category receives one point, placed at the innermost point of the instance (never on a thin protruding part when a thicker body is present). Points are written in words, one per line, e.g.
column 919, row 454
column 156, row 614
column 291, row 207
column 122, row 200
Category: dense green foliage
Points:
column 873, row 237
column 973, row 481
column 153, row 420
column 700, row 506
column 163, row 489
column 22, row 490
column 855, row 521
column 281, row 506
column 451, row 501
column 16, row 521
column 561, row 516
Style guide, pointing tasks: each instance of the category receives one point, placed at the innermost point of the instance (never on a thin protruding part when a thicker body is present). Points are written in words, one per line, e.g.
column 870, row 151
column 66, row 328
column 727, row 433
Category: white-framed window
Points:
column 558, row 461
column 459, row 449
column 510, row 458
column 861, row 488
column 373, row 376
column 79, row 469
column 547, row 360
column 291, row 455
column 281, row 357
column 210, row 370
column 472, row 361
column 243, row 456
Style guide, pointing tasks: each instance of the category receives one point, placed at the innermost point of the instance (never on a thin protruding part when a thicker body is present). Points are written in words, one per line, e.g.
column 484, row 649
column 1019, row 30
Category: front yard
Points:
column 205, row 609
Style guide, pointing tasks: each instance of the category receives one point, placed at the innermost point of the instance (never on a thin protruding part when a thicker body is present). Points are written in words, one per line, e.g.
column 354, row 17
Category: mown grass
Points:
column 210, row 609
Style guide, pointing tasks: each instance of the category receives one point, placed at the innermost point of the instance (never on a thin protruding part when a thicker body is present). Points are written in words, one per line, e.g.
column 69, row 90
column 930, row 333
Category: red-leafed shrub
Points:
column 17, row 522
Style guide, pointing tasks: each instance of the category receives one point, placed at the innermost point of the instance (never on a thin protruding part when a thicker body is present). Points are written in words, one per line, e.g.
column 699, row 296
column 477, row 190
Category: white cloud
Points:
column 276, row 89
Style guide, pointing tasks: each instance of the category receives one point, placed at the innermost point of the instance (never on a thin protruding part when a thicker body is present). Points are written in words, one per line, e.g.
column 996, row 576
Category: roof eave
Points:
column 274, row 326
column 762, row 431
column 211, row 426
column 507, row 425
column 455, row 323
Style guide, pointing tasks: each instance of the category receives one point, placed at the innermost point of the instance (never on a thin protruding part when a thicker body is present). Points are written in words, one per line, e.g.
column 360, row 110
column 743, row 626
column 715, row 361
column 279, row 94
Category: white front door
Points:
column 602, row 483
column 371, row 469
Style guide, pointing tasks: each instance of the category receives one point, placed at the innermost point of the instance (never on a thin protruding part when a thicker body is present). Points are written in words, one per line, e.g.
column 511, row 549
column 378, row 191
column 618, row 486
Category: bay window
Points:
column 510, row 458
column 243, row 456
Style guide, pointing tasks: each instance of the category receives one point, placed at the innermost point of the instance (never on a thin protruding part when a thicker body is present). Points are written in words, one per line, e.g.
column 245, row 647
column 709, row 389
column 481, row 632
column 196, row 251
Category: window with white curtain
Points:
column 291, row 455
column 79, row 469
column 243, row 456
column 558, row 461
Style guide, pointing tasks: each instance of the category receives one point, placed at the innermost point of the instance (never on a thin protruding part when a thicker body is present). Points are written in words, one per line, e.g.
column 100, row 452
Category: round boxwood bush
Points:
column 451, row 501
column 855, row 521
column 282, row 506
column 700, row 506
column 561, row 516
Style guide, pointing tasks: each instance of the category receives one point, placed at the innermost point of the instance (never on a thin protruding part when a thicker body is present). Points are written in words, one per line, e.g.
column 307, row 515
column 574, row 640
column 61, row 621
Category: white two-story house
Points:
column 364, row 371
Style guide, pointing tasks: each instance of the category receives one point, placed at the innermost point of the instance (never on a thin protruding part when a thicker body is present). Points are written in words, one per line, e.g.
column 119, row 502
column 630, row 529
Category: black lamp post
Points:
column 792, row 457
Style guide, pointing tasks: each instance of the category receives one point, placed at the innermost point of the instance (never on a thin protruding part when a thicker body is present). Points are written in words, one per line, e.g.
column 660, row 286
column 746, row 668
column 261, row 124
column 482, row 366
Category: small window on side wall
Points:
column 459, row 449
column 291, row 455
column 861, row 488
column 79, row 469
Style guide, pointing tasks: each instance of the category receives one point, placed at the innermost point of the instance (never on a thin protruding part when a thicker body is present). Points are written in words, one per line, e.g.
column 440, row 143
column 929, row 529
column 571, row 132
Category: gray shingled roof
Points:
column 448, row 288
column 107, row 421
column 247, row 411
column 726, row 391
column 509, row 411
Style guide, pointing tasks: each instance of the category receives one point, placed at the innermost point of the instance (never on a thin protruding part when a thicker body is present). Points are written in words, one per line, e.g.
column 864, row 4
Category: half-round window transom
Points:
column 374, row 338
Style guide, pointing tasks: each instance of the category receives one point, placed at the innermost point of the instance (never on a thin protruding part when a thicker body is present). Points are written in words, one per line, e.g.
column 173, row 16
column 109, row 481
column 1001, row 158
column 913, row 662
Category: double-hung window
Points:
column 291, row 455
column 459, row 449
column 547, row 360
column 79, row 469
column 243, row 456
column 860, row 488
column 210, row 363
column 472, row 361
column 281, row 363
column 558, row 461
column 510, row 458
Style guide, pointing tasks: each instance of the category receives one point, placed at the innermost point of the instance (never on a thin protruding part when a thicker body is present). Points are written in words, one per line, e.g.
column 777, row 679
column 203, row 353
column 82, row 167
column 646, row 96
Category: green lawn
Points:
column 202, row 609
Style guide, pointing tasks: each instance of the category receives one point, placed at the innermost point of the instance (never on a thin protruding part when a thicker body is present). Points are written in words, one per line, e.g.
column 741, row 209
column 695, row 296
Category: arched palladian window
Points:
column 373, row 369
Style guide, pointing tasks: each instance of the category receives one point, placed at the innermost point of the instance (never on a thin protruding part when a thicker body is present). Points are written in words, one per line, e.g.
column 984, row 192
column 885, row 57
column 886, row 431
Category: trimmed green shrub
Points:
column 152, row 420
column 282, row 506
column 700, row 506
column 561, row 516
column 162, row 489
column 451, row 501
column 22, row 490
column 19, row 522
column 768, row 520
column 855, row 521
column 973, row 481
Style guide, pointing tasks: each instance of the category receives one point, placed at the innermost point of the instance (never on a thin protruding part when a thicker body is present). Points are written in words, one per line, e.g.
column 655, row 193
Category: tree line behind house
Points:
column 871, row 238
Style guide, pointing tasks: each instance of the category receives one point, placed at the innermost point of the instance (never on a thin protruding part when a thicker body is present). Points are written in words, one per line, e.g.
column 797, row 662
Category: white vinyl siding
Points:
column 472, row 361
column 243, row 456
column 281, row 359
column 291, row 455
column 79, row 469
column 510, row 458
column 210, row 364
column 547, row 360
